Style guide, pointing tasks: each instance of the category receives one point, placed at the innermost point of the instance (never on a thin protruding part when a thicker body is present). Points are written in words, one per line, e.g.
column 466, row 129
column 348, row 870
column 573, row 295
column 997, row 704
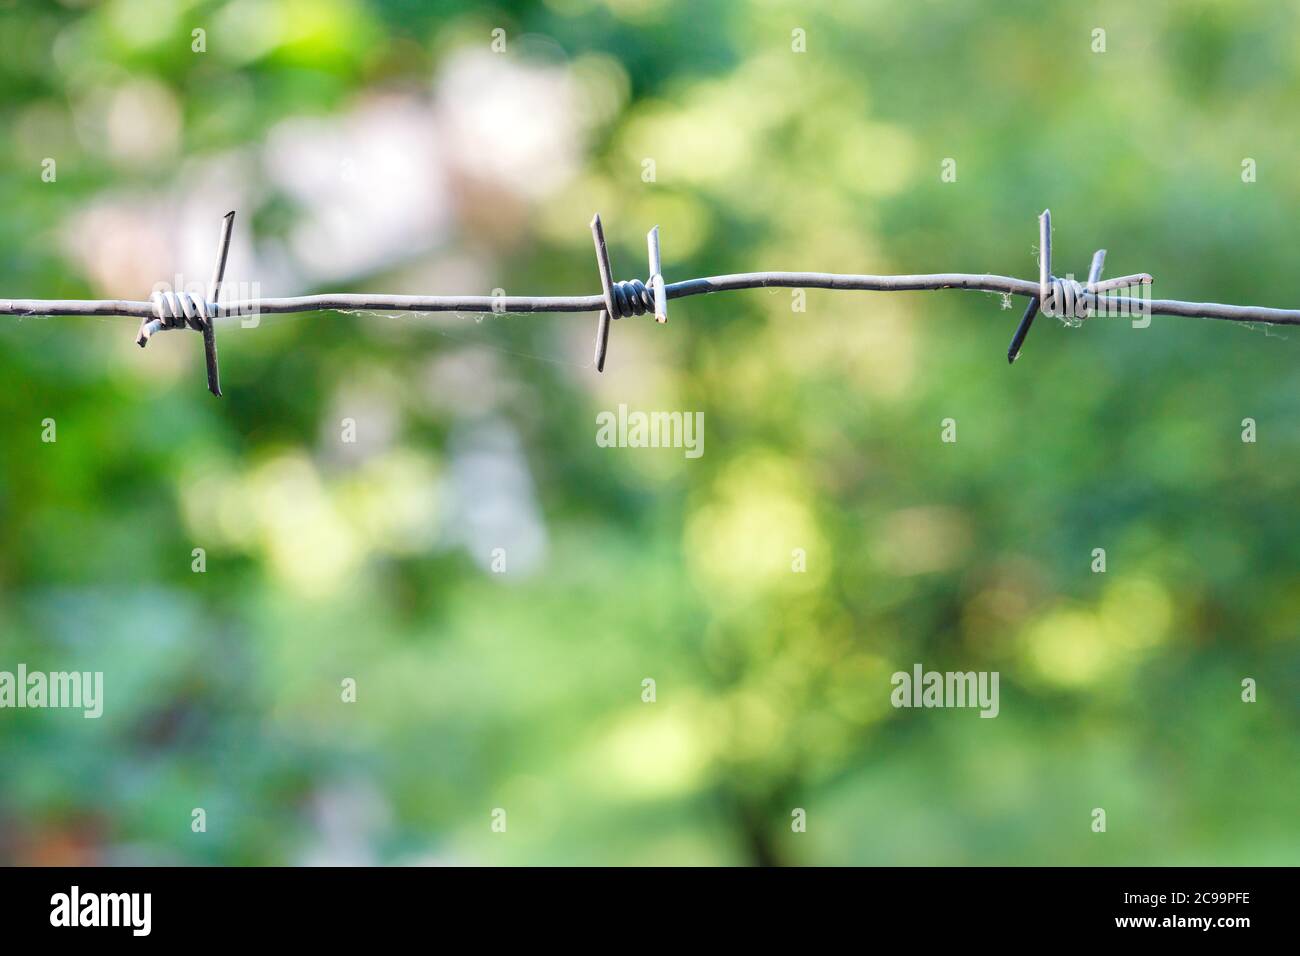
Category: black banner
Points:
column 1166, row 906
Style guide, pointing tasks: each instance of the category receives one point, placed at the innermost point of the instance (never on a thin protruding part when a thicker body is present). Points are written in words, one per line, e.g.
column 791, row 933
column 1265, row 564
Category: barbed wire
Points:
column 1062, row 298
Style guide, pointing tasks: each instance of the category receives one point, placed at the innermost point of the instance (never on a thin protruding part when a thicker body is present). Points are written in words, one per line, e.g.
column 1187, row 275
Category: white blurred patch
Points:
column 492, row 501
column 469, row 381
column 513, row 124
column 373, row 188
column 126, row 242
column 372, row 409
column 117, row 243
column 143, row 123
column 351, row 818
column 369, row 186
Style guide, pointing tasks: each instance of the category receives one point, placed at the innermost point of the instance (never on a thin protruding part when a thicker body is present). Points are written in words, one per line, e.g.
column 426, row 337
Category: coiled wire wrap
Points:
column 176, row 310
column 1067, row 299
column 632, row 297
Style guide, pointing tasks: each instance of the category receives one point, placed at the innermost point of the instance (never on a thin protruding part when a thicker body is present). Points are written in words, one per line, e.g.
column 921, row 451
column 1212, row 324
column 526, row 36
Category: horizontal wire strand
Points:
column 674, row 290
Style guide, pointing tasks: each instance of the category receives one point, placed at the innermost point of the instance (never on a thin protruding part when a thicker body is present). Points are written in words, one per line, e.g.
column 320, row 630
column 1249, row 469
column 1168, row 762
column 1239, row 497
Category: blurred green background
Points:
column 387, row 147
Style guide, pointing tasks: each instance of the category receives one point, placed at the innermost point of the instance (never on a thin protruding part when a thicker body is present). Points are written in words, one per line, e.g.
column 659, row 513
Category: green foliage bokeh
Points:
column 523, row 690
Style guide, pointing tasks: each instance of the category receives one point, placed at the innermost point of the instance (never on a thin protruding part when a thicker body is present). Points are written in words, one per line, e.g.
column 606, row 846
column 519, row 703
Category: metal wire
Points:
column 1060, row 297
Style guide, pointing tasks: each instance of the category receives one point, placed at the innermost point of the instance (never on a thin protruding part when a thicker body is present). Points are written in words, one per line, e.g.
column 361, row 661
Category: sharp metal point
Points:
column 214, row 295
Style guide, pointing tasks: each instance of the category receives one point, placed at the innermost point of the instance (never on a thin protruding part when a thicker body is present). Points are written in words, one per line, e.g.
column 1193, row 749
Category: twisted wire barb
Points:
column 1065, row 298
column 1062, row 298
